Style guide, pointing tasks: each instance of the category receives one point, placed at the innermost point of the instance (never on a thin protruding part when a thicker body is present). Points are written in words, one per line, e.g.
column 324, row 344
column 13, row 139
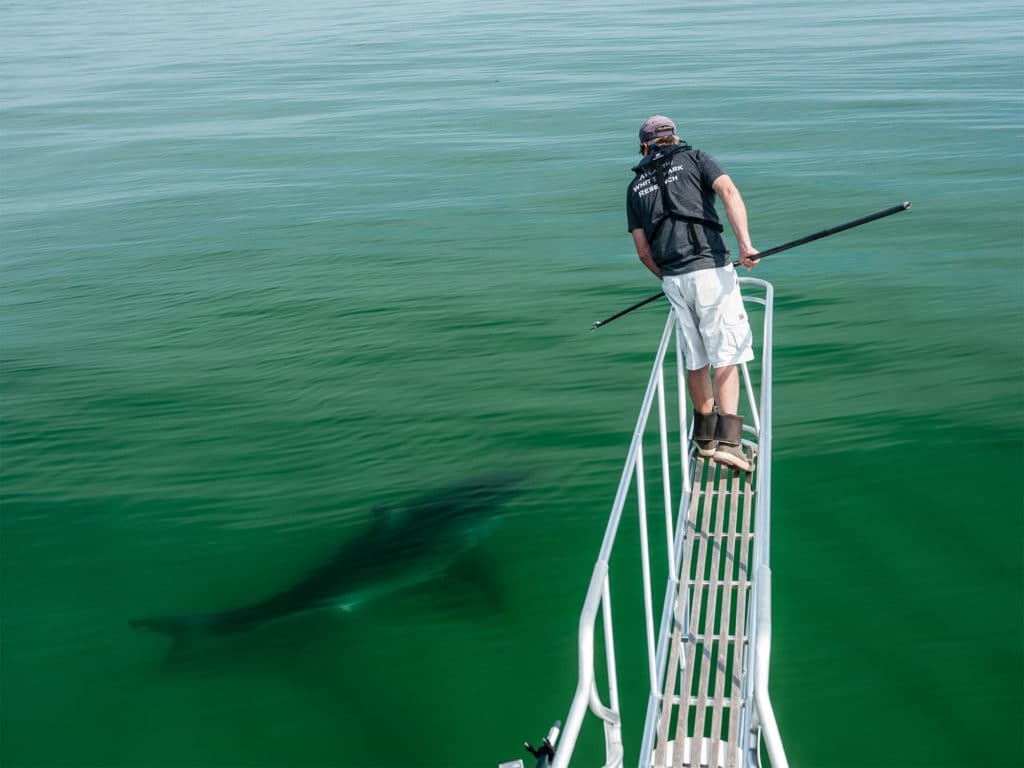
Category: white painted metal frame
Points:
column 758, row 725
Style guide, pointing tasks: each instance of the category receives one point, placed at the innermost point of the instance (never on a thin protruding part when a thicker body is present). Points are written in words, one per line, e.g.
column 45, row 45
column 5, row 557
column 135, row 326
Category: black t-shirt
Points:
column 678, row 246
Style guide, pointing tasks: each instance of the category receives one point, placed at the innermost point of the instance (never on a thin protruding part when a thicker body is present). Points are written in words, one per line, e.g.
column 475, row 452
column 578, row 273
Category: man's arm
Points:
column 643, row 250
column 736, row 212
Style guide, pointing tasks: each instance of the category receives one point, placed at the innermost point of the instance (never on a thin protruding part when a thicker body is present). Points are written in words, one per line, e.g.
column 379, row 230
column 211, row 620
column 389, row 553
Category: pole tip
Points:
column 595, row 326
column 906, row 205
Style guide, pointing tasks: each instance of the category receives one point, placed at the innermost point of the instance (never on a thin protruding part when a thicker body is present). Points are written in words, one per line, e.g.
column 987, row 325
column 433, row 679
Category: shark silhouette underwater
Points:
column 406, row 545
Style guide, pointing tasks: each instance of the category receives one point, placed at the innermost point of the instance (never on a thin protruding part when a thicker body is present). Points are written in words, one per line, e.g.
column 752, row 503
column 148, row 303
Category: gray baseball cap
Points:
column 655, row 127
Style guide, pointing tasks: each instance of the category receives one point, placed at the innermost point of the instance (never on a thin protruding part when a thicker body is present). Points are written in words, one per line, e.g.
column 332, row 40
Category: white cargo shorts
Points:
column 710, row 311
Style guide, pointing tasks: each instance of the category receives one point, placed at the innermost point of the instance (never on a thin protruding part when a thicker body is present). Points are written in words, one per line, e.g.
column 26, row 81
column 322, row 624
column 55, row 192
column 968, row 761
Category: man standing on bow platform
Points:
column 671, row 213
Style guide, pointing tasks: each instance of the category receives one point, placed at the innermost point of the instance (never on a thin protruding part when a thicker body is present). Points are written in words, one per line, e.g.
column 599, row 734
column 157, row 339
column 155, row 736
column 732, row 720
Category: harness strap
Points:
column 668, row 206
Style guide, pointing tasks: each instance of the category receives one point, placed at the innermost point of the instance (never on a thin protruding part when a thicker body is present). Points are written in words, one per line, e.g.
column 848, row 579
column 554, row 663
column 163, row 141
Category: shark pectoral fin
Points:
column 476, row 573
column 185, row 633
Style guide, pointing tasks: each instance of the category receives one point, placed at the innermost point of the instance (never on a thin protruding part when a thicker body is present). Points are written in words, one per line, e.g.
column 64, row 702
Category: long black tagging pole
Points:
column 777, row 249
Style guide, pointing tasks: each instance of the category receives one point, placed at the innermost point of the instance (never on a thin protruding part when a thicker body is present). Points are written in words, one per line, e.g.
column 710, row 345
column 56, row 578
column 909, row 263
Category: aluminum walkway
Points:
column 704, row 683
column 708, row 650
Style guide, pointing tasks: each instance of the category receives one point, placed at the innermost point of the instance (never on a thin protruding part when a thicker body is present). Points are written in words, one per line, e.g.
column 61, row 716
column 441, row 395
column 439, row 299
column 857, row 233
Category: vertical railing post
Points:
column 609, row 645
column 684, row 424
column 613, row 730
column 750, row 399
column 645, row 562
column 666, row 473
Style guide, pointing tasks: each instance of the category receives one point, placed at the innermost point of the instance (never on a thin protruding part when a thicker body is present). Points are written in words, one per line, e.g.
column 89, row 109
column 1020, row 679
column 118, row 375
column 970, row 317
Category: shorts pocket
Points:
column 735, row 325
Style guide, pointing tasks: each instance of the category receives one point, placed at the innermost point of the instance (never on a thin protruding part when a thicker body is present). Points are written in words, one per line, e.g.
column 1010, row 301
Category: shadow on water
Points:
column 383, row 657
column 406, row 544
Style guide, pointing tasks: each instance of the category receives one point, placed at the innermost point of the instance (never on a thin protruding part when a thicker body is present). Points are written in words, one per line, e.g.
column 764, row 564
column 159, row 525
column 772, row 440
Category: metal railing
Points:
column 758, row 725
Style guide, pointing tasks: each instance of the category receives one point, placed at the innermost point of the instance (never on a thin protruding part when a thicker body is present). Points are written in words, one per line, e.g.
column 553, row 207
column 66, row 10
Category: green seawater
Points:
column 268, row 265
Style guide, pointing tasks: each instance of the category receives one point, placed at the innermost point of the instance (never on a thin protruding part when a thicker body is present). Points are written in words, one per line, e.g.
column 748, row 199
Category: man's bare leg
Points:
column 702, row 394
column 727, row 388
column 729, row 425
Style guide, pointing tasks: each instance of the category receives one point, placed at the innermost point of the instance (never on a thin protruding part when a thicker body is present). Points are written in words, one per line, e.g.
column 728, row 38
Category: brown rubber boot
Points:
column 729, row 448
column 704, row 433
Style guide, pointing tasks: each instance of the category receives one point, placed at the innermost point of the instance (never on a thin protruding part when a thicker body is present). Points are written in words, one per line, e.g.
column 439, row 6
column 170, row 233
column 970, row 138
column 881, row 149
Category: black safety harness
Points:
column 668, row 206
